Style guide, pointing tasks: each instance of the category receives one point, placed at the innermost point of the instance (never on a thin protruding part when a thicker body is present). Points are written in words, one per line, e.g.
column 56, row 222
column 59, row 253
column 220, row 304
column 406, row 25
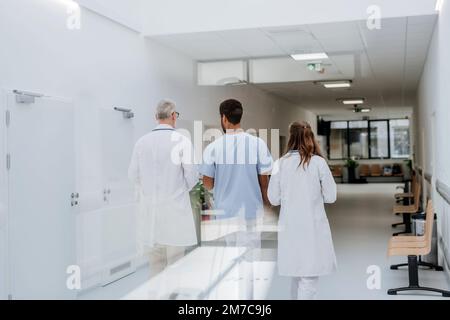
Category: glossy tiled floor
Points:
column 361, row 225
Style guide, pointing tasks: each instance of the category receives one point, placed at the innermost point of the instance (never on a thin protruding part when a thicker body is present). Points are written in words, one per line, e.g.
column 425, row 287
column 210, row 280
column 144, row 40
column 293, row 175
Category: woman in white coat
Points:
column 301, row 183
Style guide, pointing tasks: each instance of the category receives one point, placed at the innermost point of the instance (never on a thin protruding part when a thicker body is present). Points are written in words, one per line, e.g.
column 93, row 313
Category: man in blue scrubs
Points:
column 236, row 167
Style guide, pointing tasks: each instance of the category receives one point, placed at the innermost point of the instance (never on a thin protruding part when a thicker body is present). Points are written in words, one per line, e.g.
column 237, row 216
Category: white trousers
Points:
column 161, row 257
column 248, row 242
column 304, row 288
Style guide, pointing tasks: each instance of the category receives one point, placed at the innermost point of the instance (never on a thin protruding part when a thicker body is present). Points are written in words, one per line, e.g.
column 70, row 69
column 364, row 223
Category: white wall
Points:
column 289, row 114
column 105, row 65
column 433, row 114
column 126, row 12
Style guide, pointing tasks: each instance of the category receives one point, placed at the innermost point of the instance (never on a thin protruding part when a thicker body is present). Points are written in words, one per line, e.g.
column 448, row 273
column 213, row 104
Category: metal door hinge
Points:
column 75, row 199
column 8, row 118
column 8, row 161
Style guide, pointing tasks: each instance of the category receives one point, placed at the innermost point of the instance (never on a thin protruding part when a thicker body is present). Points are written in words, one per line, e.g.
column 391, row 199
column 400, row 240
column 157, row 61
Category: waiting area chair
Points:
column 364, row 171
column 397, row 170
column 375, row 170
column 336, row 171
column 407, row 195
column 407, row 211
column 414, row 247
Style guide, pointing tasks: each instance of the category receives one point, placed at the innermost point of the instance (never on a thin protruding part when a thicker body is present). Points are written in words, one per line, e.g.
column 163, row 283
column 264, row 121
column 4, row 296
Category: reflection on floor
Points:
column 361, row 225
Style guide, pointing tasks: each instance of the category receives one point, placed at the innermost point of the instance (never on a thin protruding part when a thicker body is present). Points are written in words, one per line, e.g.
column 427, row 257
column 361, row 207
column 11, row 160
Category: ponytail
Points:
column 302, row 139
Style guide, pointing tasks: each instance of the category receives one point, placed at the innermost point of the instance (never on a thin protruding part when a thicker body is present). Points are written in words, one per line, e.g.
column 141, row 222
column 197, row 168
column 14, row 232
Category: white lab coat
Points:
column 305, row 245
column 164, row 171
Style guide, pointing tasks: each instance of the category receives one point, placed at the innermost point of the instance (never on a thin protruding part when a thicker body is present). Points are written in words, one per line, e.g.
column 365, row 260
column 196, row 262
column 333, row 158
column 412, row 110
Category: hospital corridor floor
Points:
column 361, row 227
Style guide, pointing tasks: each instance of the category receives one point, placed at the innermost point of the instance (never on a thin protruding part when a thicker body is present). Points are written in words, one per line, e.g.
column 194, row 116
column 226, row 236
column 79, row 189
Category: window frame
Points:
column 388, row 121
column 348, row 137
column 388, row 140
column 346, row 141
column 409, row 136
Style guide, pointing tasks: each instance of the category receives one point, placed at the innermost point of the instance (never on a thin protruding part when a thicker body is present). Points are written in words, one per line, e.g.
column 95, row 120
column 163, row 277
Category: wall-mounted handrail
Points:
column 428, row 177
column 443, row 190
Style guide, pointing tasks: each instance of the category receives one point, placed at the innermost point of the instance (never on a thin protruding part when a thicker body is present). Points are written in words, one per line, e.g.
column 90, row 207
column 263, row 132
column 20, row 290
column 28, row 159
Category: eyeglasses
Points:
column 177, row 114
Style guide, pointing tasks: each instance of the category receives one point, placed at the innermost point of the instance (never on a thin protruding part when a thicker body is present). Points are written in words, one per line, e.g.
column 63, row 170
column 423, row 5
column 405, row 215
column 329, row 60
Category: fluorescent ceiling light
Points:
column 362, row 110
column 310, row 56
column 353, row 101
column 439, row 5
column 336, row 84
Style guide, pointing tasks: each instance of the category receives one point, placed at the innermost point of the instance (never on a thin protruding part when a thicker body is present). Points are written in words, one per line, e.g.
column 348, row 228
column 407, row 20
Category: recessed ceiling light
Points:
column 336, row 84
column 310, row 56
column 361, row 110
column 353, row 101
column 439, row 5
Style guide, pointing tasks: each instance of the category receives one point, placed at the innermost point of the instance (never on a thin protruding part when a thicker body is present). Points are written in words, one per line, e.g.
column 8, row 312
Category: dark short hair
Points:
column 232, row 110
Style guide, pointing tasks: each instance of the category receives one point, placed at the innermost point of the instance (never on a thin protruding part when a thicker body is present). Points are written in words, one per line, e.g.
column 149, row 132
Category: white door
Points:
column 40, row 141
column 118, row 215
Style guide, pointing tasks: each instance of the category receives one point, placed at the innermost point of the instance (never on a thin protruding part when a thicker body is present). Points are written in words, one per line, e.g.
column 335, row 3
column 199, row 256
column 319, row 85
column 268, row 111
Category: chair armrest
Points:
column 409, row 244
column 407, row 239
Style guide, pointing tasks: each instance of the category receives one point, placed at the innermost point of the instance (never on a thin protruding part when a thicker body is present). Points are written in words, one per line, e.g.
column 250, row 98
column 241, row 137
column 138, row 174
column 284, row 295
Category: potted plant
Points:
column 201, row 200
column 351, row 164
column 409, row 165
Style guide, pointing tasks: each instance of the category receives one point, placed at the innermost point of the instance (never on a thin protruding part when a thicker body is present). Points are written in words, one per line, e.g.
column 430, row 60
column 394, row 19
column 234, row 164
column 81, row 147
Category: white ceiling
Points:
column 385, row 64
column 181, row 16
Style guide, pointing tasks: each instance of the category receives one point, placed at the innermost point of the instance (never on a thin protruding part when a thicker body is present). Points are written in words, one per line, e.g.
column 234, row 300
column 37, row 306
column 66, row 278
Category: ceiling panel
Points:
column 385, row 65
column 294, row 40
column 338, row 45
column 337, row 30
column 259, row 46
column 201, row 46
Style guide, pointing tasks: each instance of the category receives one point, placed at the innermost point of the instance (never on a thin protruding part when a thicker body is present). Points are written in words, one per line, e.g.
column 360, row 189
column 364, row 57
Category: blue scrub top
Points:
column 235, row 161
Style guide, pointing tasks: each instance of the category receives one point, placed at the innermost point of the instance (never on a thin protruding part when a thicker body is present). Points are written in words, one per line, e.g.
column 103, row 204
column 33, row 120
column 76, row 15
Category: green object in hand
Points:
column 200, row 197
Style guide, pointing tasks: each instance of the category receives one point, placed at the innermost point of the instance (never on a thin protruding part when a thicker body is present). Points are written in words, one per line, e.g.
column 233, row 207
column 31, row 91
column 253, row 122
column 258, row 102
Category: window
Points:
column 374, row 139
column 379, row 139
column 399, row 135
column 359, row 139
column 338, row 140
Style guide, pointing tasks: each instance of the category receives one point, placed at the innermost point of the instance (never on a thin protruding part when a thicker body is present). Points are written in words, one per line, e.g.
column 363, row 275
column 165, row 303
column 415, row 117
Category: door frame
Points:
column 5, row 95
column 4, row 195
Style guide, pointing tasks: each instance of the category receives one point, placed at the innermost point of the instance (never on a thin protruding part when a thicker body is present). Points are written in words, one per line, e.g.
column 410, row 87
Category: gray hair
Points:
column 165, row 109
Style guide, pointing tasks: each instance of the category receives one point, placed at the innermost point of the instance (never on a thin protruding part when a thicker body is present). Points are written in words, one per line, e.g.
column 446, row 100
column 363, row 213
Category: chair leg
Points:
column 407, row 223
column 420, row 264
column 396, row 266
column 413, row 270
column 429, row 265
column 400, row 233
column 395, row 225
column 393, row 292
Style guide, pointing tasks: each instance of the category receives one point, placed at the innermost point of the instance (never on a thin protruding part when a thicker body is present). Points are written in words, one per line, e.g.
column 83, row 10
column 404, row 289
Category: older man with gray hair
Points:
column 164, row 172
